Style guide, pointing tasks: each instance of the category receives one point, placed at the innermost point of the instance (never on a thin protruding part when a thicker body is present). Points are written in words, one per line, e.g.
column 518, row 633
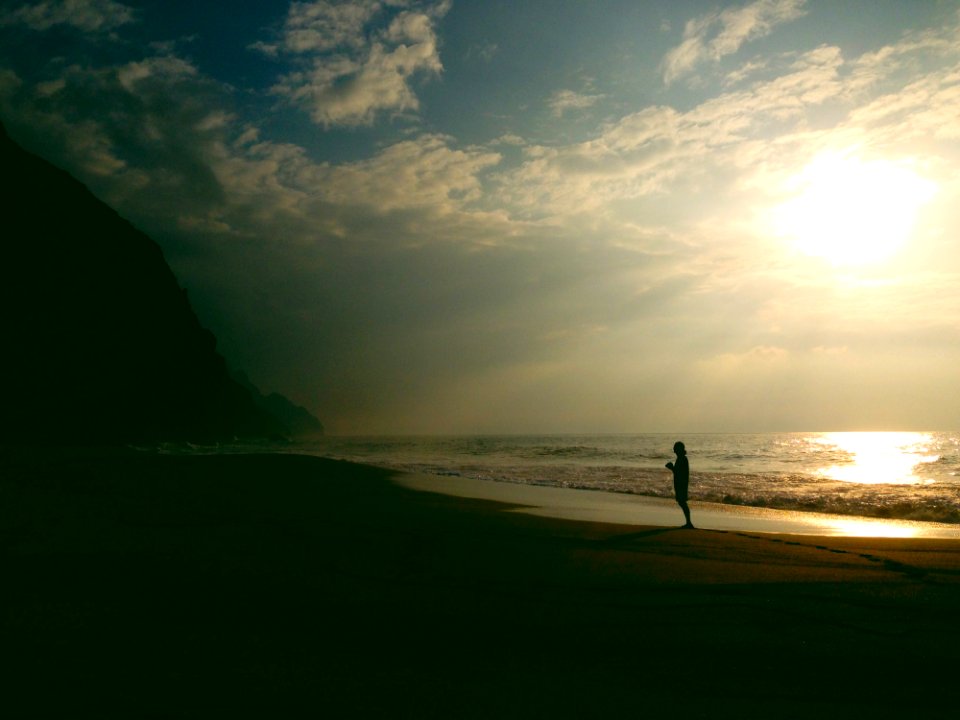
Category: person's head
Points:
column 679, row 449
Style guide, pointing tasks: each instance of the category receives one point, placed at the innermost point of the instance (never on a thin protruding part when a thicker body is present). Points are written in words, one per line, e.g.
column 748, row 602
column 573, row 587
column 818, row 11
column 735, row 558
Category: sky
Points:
column 486, row 216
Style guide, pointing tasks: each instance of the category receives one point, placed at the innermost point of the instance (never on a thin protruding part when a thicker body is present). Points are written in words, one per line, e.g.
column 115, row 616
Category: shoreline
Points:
column 626, row 509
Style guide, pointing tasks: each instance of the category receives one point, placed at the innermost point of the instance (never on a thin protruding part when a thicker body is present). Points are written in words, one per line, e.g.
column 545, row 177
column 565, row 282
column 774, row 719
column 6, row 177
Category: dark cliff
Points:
column 296, row 419
column 100, row 342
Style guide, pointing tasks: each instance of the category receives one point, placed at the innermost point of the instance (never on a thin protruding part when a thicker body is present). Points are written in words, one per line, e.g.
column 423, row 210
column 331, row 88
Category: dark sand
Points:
column 140, row 586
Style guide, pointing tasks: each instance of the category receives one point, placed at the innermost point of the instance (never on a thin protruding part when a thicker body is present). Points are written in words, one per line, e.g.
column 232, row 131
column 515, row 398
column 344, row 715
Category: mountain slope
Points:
column 296, row 419
column 101, row 341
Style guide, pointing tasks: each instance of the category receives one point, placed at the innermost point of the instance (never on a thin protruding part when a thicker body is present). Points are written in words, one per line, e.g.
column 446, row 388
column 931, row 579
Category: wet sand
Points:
column 287, row 586
column 621, row 508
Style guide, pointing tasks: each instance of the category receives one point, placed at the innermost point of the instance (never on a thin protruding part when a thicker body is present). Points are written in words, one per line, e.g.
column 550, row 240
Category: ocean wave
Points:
column 927, row 511
column 603, row 456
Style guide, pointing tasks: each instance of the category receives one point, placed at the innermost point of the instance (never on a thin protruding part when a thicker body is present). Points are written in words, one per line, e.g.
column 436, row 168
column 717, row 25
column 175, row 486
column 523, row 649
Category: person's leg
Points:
column 686, row 512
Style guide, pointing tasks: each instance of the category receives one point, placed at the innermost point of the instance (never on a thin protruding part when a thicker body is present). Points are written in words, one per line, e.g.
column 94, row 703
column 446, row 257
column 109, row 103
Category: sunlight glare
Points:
column 850, row 211
column 872, row 528
column 878, row 457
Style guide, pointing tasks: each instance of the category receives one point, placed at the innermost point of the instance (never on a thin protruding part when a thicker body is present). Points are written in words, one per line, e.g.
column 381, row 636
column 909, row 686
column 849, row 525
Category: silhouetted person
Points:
column 681, row 479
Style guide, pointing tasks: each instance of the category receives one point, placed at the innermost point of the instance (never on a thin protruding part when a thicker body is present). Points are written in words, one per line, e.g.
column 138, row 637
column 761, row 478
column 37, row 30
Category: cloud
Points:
column 743, row 72
column 158, row 141
column 413, row 173
column 564, row 100
column 717, row 34
column 86, row 15
column 138, row 132
column 928, row 104
column 323, row 27
column 758, row 357
column 353, row 67
column 433, row 285
column 10, row 82
column 484, row 52
column 659, row 148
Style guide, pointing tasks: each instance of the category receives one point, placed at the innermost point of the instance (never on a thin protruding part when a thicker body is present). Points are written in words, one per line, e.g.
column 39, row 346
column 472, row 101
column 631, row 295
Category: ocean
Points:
column 901, row 475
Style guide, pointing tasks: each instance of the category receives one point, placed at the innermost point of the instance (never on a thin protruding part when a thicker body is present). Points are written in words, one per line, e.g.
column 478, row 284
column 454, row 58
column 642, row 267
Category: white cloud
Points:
column 324, row 26
column 156, row 135
column 925, row 104
column 563, row 100
column 168, row 68
column 414, row 173
column 872, row 70
column 743, row 72
column 356, row 69
column 87, row 15
column 721, row 33
column 659, row 148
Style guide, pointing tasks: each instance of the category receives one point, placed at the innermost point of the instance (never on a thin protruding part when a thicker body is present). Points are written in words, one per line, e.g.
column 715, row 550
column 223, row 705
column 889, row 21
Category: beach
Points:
column 145, row 585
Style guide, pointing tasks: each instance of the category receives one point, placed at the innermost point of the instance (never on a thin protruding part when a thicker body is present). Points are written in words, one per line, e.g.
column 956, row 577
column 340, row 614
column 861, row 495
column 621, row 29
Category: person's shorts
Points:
column 680, row 492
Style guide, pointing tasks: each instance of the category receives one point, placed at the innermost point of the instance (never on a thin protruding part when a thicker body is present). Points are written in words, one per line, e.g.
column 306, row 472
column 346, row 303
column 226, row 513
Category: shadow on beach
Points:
column 275, row 586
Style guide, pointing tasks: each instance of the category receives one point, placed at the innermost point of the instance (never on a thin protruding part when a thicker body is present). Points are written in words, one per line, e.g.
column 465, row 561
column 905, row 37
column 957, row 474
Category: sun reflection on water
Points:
column 877, row 457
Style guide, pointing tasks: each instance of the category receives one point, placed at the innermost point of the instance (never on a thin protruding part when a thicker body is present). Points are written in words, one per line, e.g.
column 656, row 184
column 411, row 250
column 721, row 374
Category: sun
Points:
column 850, row 211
